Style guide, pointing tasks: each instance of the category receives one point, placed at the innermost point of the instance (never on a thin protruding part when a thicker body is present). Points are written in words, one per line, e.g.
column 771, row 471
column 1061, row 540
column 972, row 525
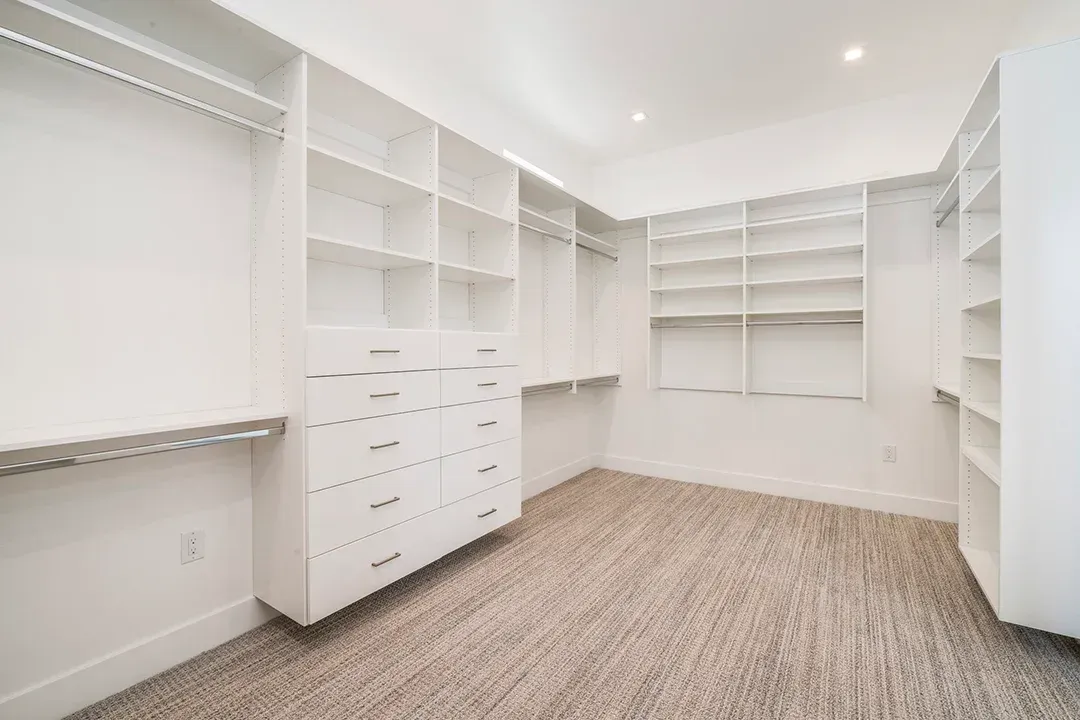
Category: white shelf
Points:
column 824, row 219
column 952, row 191
column 714, row 260
column 989, row 410
column 948, row 388
column 540, row 382
column 989, row 304
column 465, row 274
column 988, row 249
column 697, row 235
column 988, row 197
column 81, row 38
column 676, row 316
column 983, row 356
column 692, row 288
column 52, row 436
column 987, row 152
column 543, row 222
column 600, row 244
column 807, row 311
column 840, row 249
column 466, row 216
column 338, row 174
column 821, row 280
column 987, row 459
column 597, row 375
column 984, row 566
column 322, row 247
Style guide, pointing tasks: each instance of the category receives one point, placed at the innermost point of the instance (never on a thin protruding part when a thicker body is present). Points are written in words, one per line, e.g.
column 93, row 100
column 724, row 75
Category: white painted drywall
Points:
column 379, row 43
column 821, row 448
column 561, row 435
column 901, row 135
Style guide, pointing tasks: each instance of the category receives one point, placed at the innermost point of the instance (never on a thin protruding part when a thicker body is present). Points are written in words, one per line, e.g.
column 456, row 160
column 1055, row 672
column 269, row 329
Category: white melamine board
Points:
column 336, row 251
column 344, row 218
column 806, row 359
column 585, row 318
column 533, row 312
column 336, row 173
column 1040, row 338
column 466, row 158
column 135, row 299
column 84, row 37
column 463, row 215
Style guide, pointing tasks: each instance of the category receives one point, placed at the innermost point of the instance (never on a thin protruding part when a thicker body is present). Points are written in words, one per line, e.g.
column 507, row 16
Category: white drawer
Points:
column 355, row 397
column 339, row 515
column 468, row 426
column 345, row 351
column 477, row 470
column 349, row 451
column 468, row 519
column 469, row 349
column 343, row 576
column 479, row 384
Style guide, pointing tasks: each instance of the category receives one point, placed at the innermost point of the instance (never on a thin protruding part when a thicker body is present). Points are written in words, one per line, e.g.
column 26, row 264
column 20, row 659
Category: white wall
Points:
column 562, row 435
column 901, row 135
column 1046, row 21
column 386, row 44
column 818, row 448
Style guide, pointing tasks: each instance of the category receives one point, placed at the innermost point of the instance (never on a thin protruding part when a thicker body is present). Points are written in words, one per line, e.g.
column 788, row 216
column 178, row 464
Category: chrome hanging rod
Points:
column 948, row 398
column 139, row 84
column 948, row 211
column 688, row 326
column 597, row 252
column 543, row 233
column 553, row 387
column 62, row 461
column 606, row 380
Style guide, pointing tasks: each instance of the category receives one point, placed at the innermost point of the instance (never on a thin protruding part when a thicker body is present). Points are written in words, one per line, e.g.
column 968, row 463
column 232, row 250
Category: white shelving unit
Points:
column 1004, row 255
column 765, row 296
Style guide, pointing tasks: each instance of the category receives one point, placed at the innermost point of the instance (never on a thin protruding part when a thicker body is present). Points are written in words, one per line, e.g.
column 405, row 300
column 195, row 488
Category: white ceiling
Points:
column 576, row 69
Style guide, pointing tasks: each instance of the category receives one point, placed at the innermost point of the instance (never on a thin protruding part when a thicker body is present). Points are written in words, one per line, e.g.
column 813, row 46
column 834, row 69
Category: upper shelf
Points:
column 328, row 249
column 338, row 174
column 987, row 198
column 949, row 196
column 691, row 262
column 813, row 220
column 837, row 249
column 987, row 152
column 698, row 235
column 466, row 216
column 594, row 242
column 85, row 39
column 543, row 223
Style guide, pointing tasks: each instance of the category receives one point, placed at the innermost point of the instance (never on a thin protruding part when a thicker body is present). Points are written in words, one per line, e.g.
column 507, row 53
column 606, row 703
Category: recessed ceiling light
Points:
column 853, row 54
column 639, row 116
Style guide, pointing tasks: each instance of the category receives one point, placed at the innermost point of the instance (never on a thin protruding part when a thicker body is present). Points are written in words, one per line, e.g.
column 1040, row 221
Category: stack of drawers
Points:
column 413, row 450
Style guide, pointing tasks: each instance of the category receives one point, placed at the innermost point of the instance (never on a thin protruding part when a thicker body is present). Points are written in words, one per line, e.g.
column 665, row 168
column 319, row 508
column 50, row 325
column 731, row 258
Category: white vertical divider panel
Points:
column 279, row 500
column 865, row 292
column 570, row 220
column 745, row 303
column 1040, row 339
column 652, row 359
column 433, row 228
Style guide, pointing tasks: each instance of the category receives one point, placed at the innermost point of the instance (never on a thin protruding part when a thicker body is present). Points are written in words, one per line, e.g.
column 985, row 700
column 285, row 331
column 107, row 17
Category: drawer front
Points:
column 478, row 515
column 465, row 427
column 343, row 576
column 345, row 513
column 345, row 351
column 467, row 349
column 474, row 471
column 349, row 451
column 479, row 384
column 356, row 397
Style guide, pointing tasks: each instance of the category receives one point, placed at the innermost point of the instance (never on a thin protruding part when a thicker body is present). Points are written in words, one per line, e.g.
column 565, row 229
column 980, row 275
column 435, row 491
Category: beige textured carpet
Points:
column 620, row 596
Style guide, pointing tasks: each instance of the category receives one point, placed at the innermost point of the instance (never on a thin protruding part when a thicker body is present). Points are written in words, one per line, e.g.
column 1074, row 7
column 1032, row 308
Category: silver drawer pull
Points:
column 376, row 395
column 487, row 350
column 493, row 384
column 493, row 422
column 490, row 467
column 385, row 445
column 395, row 556
column 385, row 502
column 484, row 515
column 384, row 352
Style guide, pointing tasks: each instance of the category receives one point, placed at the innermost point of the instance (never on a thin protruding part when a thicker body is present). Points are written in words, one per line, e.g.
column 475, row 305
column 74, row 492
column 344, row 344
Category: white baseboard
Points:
column 537, row 485
column 866, row 499
column 96, row 680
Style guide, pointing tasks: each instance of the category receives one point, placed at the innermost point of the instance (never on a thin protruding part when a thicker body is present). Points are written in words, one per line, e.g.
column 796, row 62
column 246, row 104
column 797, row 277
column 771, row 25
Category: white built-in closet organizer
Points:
column 280, row 246
column 300, row 250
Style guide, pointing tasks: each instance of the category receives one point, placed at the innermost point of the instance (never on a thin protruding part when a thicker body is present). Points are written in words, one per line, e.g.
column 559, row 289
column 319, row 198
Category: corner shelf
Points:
column 989, row 410
column 987, row 459
column 322, row 247
column 988, row 197
column 988, row 249
column 466, row 216
column 987, row 152
column 331, row 171
column 983, row 356
column 453, row 272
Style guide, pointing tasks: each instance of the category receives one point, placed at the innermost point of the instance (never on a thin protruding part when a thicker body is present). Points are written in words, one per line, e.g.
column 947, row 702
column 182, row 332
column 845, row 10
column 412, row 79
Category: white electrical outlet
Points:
column 889, row 453
column 192, row 546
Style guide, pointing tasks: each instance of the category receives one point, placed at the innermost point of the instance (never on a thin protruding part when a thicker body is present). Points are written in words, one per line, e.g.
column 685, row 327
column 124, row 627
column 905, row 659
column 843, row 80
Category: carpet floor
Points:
column 622, row 596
